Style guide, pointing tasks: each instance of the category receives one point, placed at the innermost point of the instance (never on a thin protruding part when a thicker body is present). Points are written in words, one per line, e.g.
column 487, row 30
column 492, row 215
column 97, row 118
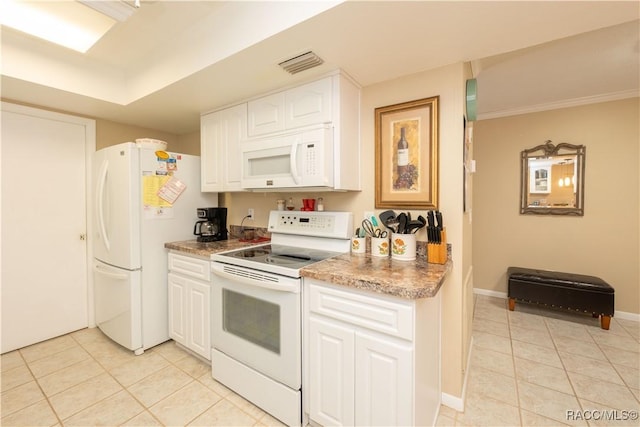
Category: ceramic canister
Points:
column 403, row 246
column 380, row 246
column 358, row 245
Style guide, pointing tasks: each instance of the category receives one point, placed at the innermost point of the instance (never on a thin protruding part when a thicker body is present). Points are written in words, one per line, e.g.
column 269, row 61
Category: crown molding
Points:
column 568, row 103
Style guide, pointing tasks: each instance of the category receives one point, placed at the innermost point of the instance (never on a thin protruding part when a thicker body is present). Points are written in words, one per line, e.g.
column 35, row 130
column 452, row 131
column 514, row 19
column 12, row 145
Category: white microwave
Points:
column 300, row 159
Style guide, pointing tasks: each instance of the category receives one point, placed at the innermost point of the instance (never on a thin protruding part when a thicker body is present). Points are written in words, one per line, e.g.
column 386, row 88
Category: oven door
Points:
column 256, row 319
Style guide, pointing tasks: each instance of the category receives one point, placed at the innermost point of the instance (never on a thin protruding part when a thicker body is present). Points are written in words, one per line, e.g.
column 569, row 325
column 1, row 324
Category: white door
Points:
column 384, row 382
column 118, row 305
column 177, row 304
column 199, row 318
column 116, row 192
column 332, row 363
column 43, row 224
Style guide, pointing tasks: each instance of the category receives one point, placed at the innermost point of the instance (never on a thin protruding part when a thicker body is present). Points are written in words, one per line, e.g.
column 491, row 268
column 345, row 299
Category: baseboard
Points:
column 496, row 294
column 489, row 293
column 455, row 402
column 627, row 316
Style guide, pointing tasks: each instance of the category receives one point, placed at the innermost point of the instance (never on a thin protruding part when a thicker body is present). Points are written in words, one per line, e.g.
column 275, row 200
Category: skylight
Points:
column 67, row 23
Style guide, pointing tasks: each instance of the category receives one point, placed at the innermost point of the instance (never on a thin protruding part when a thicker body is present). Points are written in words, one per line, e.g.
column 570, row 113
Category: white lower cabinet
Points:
column 372, row 359
column 190, row 303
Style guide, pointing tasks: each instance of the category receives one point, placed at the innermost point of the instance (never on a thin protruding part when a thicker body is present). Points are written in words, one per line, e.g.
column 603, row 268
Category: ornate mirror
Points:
column 552, row 179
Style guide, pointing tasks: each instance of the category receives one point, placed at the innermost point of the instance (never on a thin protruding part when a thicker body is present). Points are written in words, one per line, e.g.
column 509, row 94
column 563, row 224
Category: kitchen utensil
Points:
column 392, row 224
column 370, row 229
column 402, row 223
column 431, row 227
column 386, row 216
column 413, row 226
column 373, row 230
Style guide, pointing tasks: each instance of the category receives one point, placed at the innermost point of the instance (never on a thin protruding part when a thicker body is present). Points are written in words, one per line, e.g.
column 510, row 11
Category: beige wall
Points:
column 604, row 242
column 111, row 133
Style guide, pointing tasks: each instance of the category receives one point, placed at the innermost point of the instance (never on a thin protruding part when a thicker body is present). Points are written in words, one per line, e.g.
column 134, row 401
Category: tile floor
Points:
column 528, row 367
column 84, row 379
column 542, row 367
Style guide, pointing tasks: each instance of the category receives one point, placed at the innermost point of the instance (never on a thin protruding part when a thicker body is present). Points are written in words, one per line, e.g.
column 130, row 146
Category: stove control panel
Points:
column 311, row 223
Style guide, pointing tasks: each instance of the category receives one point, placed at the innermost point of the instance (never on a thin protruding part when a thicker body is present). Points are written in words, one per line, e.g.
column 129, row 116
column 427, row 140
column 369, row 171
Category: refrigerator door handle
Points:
column 100, row 195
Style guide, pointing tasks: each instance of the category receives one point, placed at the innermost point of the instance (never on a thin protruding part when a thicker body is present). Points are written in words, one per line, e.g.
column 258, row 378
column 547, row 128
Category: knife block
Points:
column 437, row 252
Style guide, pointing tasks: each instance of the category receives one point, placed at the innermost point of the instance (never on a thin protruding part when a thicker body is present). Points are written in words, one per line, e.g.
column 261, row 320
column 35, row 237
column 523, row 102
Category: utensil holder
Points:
column 403, row 246
column 437, row 252
column 380, row 246
column 358, row 245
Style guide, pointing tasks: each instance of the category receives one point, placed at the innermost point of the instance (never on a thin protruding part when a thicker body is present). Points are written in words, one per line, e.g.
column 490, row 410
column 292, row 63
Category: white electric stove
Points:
column 256, row 307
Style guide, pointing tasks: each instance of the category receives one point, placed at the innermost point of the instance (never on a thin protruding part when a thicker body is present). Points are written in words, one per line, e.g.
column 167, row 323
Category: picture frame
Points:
column 540, row 180
column 407, row 177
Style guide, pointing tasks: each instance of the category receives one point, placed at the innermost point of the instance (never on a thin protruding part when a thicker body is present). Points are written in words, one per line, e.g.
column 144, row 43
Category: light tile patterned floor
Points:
column 542, row 367
column 84, row 379
column 528, row 367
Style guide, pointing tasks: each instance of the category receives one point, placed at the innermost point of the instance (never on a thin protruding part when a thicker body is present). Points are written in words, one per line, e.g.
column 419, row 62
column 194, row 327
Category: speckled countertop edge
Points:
column 406, row 279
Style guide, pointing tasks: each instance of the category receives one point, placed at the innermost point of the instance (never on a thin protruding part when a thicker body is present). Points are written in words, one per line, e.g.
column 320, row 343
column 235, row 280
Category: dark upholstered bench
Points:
column 576, row 292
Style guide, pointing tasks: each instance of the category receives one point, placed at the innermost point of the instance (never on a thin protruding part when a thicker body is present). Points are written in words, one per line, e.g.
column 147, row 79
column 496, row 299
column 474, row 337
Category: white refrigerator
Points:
column 135, row 213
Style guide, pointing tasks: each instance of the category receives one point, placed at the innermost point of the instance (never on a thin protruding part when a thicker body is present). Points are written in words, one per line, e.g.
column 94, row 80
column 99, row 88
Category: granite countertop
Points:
column 194, row 247
column 405, row 279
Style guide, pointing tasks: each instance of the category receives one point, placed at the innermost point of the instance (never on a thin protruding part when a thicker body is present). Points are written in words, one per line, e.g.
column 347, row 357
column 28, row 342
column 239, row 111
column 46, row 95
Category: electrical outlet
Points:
column 250, row 213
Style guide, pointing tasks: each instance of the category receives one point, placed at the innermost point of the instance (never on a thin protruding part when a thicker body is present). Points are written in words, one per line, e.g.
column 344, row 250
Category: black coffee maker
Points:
column 213, row 226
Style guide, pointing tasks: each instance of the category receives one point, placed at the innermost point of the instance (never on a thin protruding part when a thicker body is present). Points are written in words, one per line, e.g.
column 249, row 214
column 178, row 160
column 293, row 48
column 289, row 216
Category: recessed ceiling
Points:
column 172, row 61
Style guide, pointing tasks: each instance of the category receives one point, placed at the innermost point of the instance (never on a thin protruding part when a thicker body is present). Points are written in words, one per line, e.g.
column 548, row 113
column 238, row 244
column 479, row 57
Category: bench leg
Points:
column 605, row 321
column 512, row 304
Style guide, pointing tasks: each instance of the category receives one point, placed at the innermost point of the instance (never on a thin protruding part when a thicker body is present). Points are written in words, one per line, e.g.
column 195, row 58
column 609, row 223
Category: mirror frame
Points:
column 549, row 150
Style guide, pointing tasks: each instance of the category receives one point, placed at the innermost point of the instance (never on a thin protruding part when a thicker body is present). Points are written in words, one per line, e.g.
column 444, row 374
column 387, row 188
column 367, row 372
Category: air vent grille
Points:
column 250, row 274
column 301, row 63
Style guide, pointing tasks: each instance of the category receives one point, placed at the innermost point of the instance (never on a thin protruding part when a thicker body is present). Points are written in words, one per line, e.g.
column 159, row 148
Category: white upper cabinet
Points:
column 266, row 115
column 301, row 106
column 332, row 102
column 220, row 135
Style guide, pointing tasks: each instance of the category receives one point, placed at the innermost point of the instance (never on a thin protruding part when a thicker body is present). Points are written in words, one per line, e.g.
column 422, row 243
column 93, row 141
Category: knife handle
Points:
column 439, row 219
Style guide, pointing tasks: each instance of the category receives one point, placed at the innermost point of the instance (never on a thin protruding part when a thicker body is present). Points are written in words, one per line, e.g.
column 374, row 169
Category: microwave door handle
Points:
column 293, row 161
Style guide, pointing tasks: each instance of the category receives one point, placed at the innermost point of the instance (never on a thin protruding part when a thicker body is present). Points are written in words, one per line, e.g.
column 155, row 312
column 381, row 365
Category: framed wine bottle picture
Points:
column 406, row 155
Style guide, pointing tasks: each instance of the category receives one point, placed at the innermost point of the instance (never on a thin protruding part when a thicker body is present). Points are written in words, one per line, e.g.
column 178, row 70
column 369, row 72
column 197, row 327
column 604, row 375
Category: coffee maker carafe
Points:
column 213, row 226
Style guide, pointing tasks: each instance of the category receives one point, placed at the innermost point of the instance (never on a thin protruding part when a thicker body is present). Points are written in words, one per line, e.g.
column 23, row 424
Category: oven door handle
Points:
column 276, row 286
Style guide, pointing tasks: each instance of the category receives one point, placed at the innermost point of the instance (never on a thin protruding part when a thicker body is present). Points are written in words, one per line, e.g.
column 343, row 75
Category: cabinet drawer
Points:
column 190, row 266
column 377, row 314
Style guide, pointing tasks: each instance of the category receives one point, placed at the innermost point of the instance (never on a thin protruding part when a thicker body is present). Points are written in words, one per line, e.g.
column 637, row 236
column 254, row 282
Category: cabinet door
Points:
column 383, row 382
column 212, row 131
column 309, row 104
column 266, row 115
column 235, row 131
column 177, row 315
column 331, row 373
column 198, row 307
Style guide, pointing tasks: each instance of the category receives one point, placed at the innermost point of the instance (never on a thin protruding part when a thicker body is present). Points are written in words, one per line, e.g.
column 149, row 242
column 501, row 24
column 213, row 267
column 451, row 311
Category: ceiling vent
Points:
column 301, row 63
column 116, row 9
